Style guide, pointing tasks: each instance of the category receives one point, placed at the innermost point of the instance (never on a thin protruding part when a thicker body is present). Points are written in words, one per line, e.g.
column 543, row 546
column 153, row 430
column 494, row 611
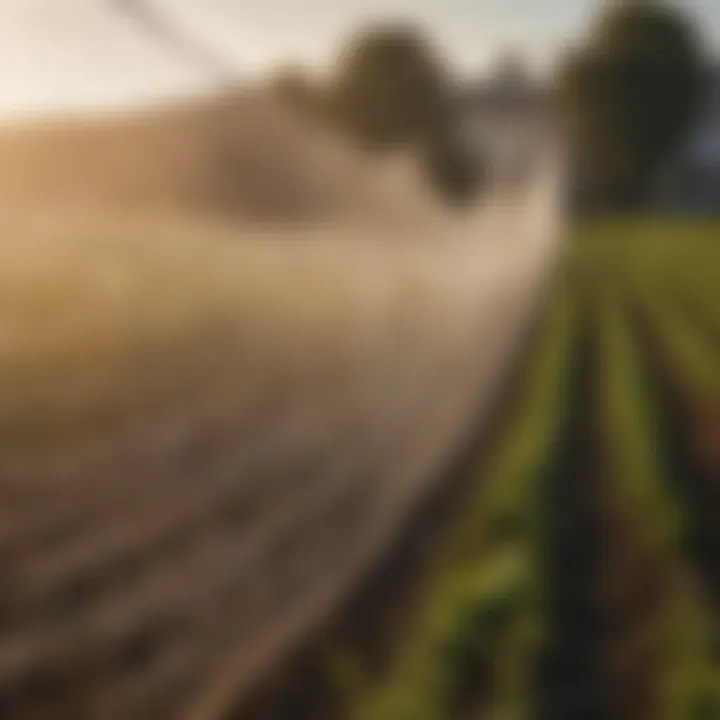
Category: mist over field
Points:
column 381, row 392
column 227, row 332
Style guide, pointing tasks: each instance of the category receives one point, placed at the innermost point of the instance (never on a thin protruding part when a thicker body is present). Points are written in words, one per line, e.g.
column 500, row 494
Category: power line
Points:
column 168, row 31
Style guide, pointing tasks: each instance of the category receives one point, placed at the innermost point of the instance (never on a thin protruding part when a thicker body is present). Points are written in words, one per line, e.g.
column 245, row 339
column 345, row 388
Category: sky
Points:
column 67, row 54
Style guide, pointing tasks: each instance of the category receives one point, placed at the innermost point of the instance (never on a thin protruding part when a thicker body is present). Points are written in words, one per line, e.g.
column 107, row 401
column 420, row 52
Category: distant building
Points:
column 507, row 116
column 692, row 183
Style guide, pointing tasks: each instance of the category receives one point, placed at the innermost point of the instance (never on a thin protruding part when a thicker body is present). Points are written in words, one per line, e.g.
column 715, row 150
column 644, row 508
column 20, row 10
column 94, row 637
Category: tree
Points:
column 390, row 87
column 630, row 97
column 393, row 90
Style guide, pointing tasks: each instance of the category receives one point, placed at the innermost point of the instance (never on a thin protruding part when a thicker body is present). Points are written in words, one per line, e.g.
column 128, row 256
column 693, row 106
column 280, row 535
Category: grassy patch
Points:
column 680, row 623
column 475, row 648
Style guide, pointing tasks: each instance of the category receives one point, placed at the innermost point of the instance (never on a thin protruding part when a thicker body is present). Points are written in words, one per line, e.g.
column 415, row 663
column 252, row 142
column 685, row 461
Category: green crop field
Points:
column 582, row 575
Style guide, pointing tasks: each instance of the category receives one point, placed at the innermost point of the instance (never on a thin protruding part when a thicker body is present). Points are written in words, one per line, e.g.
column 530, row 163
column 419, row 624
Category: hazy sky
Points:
column 66, row 53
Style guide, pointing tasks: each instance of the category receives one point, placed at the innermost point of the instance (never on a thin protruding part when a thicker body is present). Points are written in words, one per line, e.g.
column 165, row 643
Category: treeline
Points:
column 630, row 96
column 392, row 89
column 627, row 98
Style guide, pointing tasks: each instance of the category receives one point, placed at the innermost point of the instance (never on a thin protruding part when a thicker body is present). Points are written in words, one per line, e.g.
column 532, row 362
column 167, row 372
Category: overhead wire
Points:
column 158, row 24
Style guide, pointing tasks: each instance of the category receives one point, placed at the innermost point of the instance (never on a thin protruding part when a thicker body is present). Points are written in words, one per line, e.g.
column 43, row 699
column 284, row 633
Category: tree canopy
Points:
column 392, row 89
column 390, row 86
column 631, row 94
